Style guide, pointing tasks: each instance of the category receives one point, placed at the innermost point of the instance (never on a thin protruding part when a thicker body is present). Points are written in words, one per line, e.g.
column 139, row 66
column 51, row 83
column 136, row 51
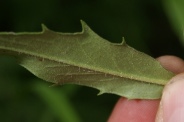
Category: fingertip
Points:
column 134, row 111
column 172, row 103
column 172, row 63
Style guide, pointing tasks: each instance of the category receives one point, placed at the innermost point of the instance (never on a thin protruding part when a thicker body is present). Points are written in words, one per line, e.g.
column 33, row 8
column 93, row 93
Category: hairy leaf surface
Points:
column 84, row 58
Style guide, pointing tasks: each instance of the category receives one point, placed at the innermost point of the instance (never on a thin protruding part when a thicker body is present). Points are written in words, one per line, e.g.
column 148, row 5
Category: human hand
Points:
column 169, row 109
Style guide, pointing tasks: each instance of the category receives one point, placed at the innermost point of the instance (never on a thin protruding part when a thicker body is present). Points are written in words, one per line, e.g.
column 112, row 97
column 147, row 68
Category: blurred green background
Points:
column 146, row 26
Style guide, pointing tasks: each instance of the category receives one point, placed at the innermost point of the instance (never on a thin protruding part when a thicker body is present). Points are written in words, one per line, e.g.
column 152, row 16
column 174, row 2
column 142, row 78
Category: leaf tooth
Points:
column 44, row 28
column 123, row 41
column 101, row 92
column 85, row 27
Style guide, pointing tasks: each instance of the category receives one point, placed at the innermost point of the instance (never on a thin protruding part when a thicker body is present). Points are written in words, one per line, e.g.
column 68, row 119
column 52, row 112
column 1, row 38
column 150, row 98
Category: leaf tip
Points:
column 44, row 28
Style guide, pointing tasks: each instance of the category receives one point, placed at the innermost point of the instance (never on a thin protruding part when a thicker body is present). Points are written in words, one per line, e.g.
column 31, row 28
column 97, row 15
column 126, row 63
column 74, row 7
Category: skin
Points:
column 169, row 109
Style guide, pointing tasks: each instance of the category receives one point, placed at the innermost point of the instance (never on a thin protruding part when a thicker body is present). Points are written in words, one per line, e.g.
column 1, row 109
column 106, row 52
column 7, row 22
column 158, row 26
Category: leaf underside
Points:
column 84, row 58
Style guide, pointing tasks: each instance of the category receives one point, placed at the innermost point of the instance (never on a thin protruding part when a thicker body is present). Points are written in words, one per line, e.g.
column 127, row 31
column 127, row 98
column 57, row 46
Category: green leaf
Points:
column 58, row 102
column 84, row 58
column 175, row 10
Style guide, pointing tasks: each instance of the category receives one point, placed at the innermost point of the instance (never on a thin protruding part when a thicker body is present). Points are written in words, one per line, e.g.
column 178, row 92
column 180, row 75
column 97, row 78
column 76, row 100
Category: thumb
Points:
column 171, row 107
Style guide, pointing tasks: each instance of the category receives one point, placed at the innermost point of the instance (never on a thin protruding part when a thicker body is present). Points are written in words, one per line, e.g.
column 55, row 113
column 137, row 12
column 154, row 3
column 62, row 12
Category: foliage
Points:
column 86, row 59
column 143, row 23
column 174, row 9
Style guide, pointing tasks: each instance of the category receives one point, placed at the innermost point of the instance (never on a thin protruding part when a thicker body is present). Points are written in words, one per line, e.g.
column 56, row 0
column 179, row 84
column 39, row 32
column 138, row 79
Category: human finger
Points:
column 172, row 63
column 172, row 103
column 144, row 110
column 134, row 111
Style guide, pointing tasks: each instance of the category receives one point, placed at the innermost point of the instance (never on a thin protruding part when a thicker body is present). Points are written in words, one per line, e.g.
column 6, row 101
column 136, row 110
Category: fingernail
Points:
column 172, row 103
